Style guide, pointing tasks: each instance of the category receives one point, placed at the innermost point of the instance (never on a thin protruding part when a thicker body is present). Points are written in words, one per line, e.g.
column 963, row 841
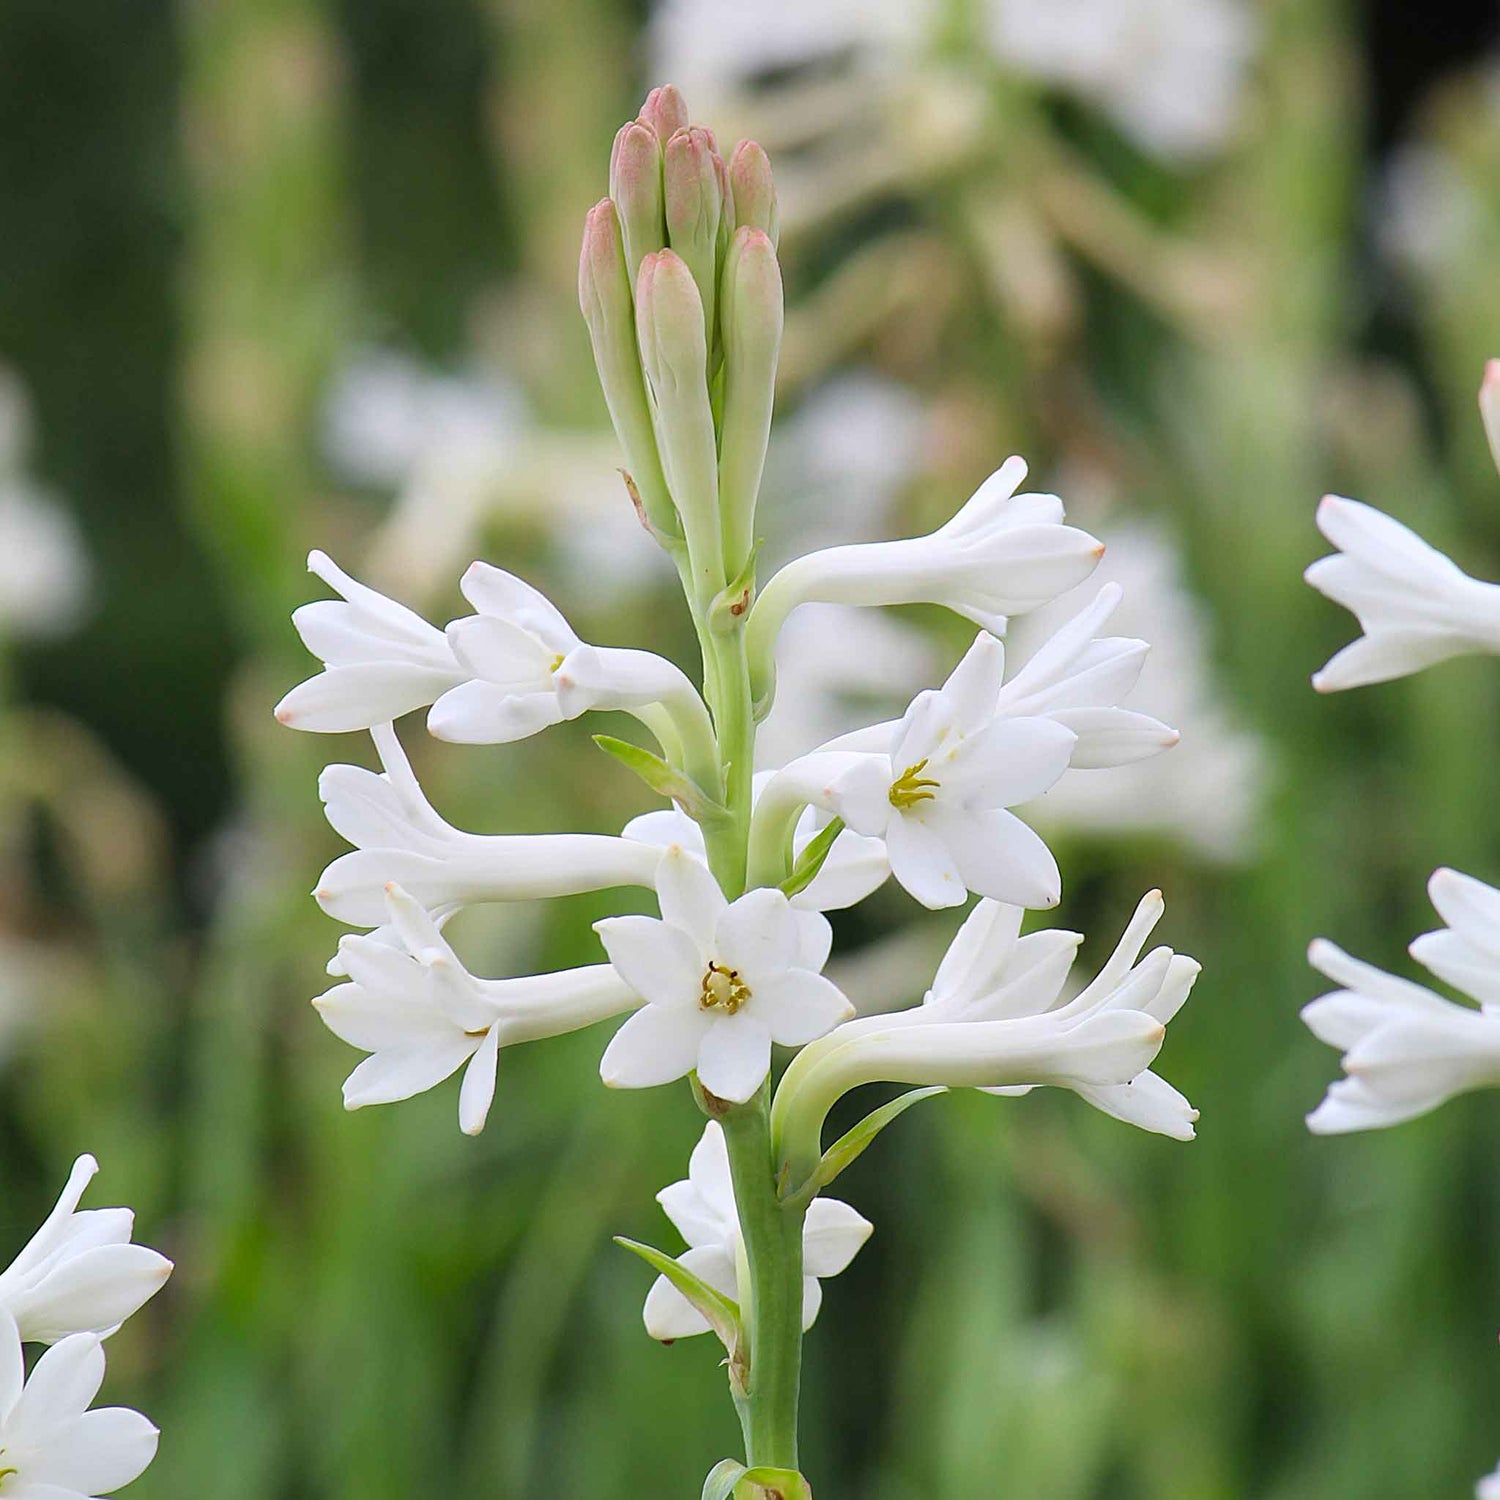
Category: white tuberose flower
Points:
column 939, row 797
column 994, row 1019
column 380, row 659
column 1488, row 1488
column 1002, row 554
column 52, row 1447
column 399, row 838
column 722, row 981
column 1408, row 1050
column 1416, row 606
column 988, row 974
column 703, row 1208
column 530, row 670
column 421, row 1015
column 79, row 1273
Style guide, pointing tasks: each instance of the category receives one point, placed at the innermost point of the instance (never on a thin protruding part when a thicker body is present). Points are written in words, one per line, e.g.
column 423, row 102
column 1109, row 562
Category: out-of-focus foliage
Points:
column 301, row 273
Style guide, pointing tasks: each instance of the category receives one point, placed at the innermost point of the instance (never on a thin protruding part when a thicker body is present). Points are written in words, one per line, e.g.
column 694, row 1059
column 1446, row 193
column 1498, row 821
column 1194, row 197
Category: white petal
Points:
column 656, row 1045
column 91, row 1292
column 922, row 864
column 1114, row 737
column 856, row 867
column 759, row 934
column 477, row 1092
column 799, row 1006
column 482, row 713
column 832, row 1236
column 812, row 1301
column 995, row 854
column 689, row 897
column 1005, row 762
column 734, row 1056
column 1149, row 1102
column 494, row 592
column 346, row 698
column 502, row 653
column 100, row 1452
column 385, row 1077
column 61, row 1385
column 709, row 1174
column 660, row 962
column 668, row 1314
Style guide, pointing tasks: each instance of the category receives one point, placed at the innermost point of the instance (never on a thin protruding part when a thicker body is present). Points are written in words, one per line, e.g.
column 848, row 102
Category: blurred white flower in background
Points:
column 1207, row 794
column 1170, row 73
column 464, row 451
column 44, row 572
column 1488, row 1488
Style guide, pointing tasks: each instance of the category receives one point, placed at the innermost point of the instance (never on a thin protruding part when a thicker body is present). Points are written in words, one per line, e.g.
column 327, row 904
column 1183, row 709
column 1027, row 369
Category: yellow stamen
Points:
column 723, row 989
column 911, row 787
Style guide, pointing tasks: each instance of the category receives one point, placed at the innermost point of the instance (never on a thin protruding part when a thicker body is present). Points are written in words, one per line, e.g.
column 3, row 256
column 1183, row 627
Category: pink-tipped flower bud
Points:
column 754, row 190
column 750, row 319
column 1489, row 406
column 604, row 296
column 636, row 186
column 694, row 209
column 674, row 355
column 665, row 112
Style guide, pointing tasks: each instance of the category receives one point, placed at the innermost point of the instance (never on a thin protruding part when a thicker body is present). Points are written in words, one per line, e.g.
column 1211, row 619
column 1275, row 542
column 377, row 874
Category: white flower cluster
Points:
column 75, row 1282
column 1406, row 1049
column 744, row 866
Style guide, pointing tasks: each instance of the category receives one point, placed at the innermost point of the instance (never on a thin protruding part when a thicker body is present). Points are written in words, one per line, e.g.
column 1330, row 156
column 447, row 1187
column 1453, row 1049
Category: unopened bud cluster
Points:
column 681, row 290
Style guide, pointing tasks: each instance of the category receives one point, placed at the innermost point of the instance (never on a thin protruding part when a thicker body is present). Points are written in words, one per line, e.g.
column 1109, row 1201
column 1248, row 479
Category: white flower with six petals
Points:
column 722, row 980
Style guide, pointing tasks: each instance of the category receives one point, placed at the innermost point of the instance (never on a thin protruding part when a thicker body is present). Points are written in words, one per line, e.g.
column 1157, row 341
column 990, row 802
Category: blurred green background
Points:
column 285, row 273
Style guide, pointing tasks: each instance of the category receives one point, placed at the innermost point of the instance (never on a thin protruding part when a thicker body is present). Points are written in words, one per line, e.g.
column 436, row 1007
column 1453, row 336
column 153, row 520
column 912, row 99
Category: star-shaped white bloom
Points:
column 1408, row 1050
column 400, row 839
column 703, row 1209
column 421, row 1015
column 722, row 981
column 529, row 669
column 938, row 798
column 52, row 1447
column 380, row 659
column 1415, row 605
column 79, row 1273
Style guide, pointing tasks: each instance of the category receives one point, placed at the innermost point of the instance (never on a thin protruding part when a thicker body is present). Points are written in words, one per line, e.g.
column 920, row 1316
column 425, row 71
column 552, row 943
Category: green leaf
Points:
column 664, row 779
column 811, row 861
column 722, row 1314
column 852, row 1144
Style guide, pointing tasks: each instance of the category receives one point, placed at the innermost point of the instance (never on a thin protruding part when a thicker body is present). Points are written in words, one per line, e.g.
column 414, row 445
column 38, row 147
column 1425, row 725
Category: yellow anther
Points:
column 911, row 787
column 723, row 989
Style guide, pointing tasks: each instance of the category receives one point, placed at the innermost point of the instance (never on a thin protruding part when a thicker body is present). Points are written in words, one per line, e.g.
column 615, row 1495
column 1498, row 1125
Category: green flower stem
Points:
column 772, row 1306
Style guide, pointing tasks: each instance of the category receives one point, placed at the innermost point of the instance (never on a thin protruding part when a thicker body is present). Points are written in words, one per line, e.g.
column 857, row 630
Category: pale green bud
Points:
column 694, row 209
column 636, row 186
column 674, row 355
column 754, row 190
column 604, row 296
column 750, row 319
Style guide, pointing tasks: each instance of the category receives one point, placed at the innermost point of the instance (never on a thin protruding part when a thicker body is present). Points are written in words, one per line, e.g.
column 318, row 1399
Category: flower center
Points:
column 912, row 787
column 723, row 989
column 557, row 661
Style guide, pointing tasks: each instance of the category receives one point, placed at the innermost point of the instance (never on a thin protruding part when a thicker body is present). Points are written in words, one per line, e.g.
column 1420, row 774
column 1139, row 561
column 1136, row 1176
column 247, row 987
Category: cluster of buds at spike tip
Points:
column 681, row 289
